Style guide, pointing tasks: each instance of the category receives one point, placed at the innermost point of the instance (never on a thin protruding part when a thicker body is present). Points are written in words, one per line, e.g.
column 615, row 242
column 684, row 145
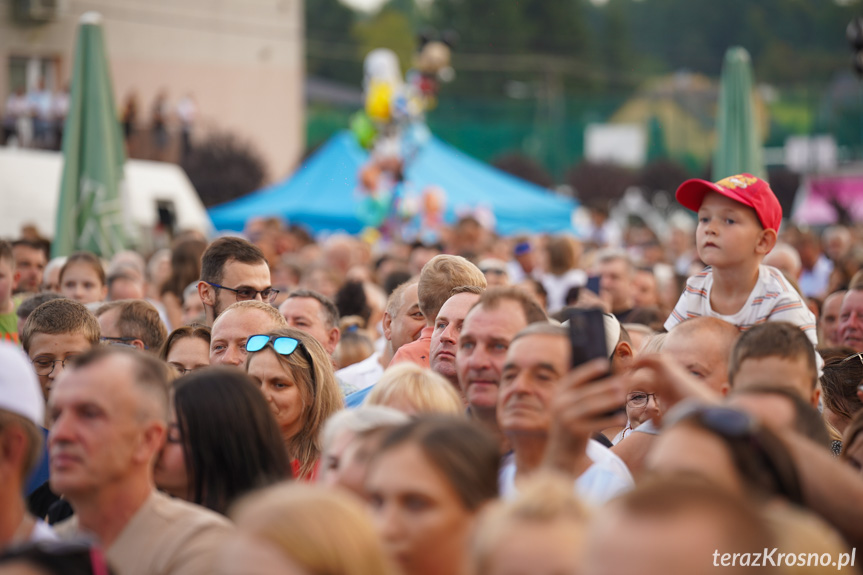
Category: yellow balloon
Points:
column 378, row 101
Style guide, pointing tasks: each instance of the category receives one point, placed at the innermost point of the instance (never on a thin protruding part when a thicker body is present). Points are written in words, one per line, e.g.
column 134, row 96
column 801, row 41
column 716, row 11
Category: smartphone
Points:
column 593, row 284
column 586, row 335
column 587, row 340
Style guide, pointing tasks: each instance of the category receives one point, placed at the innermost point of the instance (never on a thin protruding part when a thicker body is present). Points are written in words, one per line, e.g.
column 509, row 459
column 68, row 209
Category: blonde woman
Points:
column 297, row 379
column 414, row 390
column 538, row 532
column 312, row 529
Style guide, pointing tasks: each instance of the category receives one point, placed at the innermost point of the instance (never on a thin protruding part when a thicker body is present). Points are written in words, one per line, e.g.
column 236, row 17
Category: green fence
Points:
column 552, row 133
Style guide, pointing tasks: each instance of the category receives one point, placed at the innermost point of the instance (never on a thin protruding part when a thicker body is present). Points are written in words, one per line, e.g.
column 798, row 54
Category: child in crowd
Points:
column 738, row 220
column 8, row 318
column 83, row 278
column 56, row 331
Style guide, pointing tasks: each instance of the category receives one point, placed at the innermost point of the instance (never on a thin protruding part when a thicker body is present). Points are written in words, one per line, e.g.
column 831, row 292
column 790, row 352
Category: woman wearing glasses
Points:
column 298, row 382
column 641, row 406
column 222, row 440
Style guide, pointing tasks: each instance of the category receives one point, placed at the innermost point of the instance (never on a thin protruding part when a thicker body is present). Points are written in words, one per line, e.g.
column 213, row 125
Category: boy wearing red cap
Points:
column 738, row 219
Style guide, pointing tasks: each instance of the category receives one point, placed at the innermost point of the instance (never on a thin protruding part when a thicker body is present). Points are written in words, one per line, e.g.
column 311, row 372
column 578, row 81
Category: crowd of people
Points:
column 278, row 404
column 35, row 118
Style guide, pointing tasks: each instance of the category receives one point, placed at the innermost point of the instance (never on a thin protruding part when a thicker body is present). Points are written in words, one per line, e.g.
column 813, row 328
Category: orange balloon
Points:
column 370, row 176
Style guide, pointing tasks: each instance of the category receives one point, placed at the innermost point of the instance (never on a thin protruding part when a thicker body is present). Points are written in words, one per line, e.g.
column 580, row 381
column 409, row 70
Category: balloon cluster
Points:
column 392, row 126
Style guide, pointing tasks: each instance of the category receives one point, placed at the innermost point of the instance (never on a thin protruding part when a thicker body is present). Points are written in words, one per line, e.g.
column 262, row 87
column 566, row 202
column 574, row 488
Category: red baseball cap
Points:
column 744, row 188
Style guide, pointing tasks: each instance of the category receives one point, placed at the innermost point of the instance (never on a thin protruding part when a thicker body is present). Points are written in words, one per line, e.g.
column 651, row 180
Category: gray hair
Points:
column 782, row 248
column 614, row 254
column 360, row 420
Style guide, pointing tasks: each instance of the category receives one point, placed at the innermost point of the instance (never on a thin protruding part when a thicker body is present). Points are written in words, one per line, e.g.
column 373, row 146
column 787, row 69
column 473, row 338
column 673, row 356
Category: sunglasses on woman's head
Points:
column 282, row 345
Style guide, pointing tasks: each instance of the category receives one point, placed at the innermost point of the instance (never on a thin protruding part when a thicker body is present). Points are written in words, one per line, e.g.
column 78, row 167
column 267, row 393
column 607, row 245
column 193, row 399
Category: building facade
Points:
column 239, row 63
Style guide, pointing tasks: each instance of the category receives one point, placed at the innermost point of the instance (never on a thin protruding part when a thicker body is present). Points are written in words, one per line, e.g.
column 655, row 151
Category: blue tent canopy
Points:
column 323, row 194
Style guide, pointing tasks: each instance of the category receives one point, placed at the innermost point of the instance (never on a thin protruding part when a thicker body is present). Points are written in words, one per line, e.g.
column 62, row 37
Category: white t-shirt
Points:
column 814, row 282
column 42, row 532
column 556, row 287
column 362, row 374
column 607, row 478
column 772, row 299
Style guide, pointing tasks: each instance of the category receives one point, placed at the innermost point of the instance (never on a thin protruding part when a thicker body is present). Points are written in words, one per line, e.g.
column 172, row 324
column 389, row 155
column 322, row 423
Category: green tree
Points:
column 483, row 26
column 791, row 41
column 387, row 29
column 556, row 27
column 223, row 167
column 506, row 42
column 330, row 48
column 615, row 63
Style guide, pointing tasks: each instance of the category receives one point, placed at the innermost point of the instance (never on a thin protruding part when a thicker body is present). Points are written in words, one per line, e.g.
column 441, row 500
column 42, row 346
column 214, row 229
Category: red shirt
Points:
column 311, row 477
column 417, row 352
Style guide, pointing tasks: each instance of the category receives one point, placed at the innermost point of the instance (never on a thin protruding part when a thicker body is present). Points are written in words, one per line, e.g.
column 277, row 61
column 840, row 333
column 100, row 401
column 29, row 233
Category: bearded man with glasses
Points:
column 232, row 270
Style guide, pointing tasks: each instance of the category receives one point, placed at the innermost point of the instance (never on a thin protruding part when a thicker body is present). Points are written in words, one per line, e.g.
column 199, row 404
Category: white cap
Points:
column 20, row 392
column 612, row 332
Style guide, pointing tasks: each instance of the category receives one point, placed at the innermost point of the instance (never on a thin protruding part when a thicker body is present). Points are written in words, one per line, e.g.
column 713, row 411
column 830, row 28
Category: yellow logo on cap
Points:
column 734, row 182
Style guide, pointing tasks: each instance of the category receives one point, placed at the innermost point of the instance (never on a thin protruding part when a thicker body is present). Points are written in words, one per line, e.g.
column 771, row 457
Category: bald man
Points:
column 235, row 325
column 786, row 259
column 438, row 278
column 703, row 346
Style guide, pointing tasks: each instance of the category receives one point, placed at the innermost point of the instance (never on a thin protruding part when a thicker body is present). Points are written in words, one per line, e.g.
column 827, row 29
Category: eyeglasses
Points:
column 639, row 399
column 126, row 341
column 44, row 366
column 857, row 356
column 246, row 293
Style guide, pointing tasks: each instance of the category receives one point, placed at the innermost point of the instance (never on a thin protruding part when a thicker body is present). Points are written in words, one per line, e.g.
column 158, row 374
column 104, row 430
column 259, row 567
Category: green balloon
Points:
column 363, row 129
